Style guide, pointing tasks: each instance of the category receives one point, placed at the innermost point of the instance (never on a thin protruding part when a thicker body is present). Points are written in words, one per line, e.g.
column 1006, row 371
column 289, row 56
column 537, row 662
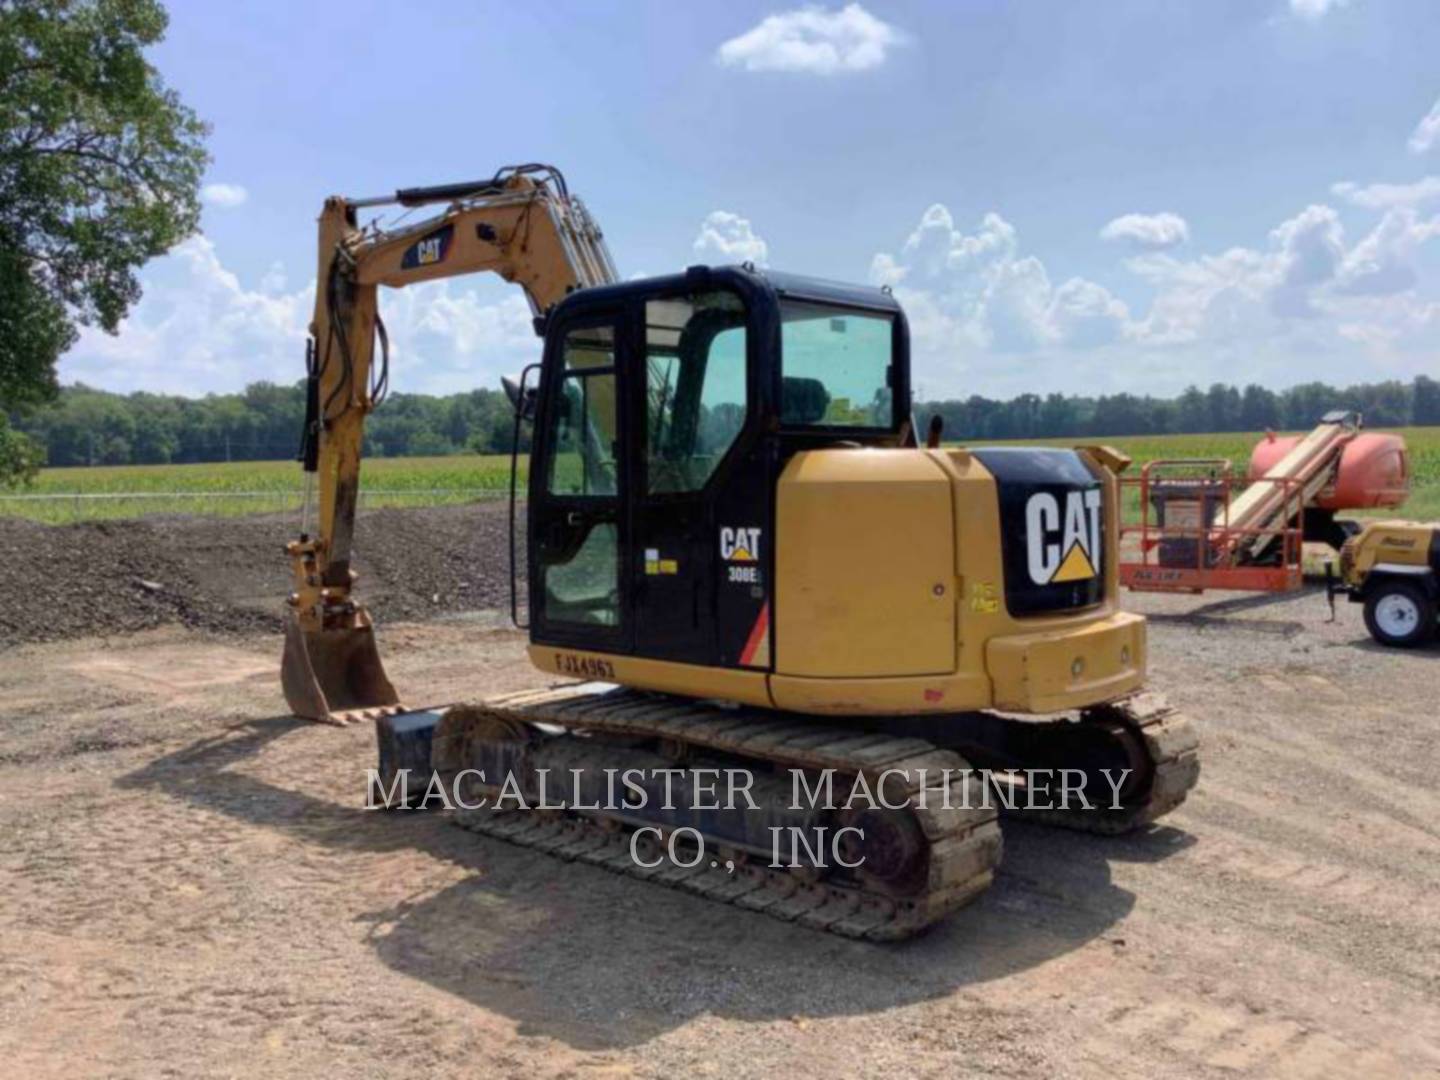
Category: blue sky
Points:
column 1065, row 195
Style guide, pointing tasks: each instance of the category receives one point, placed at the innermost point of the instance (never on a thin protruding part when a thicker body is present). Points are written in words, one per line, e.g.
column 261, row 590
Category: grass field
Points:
column 1423, row 444
column 248, row 487
column 256, row 486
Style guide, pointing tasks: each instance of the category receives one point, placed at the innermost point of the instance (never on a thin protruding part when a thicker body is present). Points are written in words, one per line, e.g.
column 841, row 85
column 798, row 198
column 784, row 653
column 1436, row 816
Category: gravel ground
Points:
column 190, row 887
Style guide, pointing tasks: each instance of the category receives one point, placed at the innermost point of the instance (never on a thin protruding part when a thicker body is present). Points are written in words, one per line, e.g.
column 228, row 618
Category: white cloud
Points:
column 1148, row 232
column 1311, row 245
column 728, row 237
column 1427, row 131
column 1384, row 196
column 198, row 329
column 1382, row 264
column 1242, row 293
column 1314, row 9
column 1312, row 298
column 275, row 279
column 1216, row 297
column 224, row 195
column 1307, row 302
column 1084, row 314
column 814, row 40
column 971, row 292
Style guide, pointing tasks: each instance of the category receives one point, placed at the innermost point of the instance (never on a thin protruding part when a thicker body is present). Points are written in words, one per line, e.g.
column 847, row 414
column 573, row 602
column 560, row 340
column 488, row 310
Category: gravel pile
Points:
column 230, row 575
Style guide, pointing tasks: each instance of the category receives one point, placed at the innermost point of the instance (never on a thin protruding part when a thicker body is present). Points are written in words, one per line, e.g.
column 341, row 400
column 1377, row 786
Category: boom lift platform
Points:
column 1193, row 524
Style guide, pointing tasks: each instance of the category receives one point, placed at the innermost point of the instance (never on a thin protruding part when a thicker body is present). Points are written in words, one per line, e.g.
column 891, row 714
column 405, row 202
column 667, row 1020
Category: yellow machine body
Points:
column 1393, row 568
column 890, row 598
column 888, row 592
column 1387, row 543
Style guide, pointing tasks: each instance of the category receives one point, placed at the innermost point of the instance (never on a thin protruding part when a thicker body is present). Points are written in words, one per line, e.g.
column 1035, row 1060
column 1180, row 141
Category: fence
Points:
column 58, row 507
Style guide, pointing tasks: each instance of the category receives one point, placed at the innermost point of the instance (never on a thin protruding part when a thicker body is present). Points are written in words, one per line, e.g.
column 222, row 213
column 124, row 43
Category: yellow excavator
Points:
column 741, row 560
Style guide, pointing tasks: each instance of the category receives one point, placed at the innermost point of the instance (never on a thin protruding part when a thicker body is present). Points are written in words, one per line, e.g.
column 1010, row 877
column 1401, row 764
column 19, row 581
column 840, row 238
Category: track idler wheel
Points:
column 893, row 850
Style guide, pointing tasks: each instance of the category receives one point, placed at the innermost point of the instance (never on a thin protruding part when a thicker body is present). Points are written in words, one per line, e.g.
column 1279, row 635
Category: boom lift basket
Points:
column 1180, row 532
column 1185, row 505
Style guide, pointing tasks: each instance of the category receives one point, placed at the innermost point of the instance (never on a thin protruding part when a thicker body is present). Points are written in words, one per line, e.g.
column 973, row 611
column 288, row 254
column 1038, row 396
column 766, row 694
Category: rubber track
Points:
column 964, row 844
column 1173, row 747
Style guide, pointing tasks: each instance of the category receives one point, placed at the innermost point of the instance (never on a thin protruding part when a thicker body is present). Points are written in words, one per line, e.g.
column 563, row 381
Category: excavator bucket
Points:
column 335, row 675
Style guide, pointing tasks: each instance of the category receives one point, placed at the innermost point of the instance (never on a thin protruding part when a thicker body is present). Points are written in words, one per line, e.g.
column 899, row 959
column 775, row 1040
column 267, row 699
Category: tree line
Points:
column 86, row 426
column 1220, row 408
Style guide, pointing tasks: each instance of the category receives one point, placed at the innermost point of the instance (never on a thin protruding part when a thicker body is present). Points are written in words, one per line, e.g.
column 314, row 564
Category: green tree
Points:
column 1192, row 411
column 1121, row 414
column 20, row 456
column 1306, row 403
column 1385, row 404
column 1425, row 401
column 100, row 168
column 1059, row 415
column 1259, row 409
column 1223, row 405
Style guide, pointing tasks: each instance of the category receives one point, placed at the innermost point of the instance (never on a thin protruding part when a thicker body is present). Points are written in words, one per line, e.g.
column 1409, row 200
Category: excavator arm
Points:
column 522, row 224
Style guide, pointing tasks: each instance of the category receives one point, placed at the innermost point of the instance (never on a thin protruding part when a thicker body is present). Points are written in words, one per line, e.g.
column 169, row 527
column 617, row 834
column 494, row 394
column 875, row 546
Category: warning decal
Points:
column 757, row 647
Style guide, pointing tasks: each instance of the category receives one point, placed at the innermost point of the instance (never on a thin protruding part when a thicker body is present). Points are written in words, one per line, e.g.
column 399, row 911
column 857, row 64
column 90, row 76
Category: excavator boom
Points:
column 522, row 224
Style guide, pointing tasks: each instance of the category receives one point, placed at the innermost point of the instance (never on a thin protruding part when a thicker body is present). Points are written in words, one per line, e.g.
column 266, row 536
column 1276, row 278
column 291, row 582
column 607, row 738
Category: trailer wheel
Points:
column 1399, row 613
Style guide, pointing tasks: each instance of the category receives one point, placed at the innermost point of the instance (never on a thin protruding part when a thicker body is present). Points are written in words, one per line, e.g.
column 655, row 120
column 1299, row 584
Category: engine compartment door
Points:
column 865, row 565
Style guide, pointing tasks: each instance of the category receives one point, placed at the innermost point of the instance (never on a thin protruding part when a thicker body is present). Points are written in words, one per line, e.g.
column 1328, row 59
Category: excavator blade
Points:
column 335, row 676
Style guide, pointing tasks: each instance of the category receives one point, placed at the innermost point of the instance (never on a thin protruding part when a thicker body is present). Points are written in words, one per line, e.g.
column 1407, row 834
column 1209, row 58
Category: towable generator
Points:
column 1393, row 568
column 741, row 559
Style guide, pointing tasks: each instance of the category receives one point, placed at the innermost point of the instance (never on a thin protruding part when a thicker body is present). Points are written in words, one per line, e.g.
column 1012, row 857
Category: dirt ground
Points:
column 190, row 887
column 223, row 575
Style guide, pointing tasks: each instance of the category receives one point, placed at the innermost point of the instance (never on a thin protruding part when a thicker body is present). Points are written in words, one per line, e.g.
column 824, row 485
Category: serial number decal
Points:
column 591, row 667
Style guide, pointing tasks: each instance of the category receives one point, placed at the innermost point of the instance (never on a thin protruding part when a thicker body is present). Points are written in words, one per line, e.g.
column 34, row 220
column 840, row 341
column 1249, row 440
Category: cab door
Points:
column 579, row 532
column 696, row 599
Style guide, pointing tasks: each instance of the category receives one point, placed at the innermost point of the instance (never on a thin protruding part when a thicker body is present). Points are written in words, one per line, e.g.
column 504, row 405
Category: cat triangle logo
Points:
column 1076, row 566
column 740, row 545
column 1068, row 522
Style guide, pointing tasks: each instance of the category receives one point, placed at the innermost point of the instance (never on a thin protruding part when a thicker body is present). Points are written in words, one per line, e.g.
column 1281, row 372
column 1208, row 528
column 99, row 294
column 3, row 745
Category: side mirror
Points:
column 522, row 397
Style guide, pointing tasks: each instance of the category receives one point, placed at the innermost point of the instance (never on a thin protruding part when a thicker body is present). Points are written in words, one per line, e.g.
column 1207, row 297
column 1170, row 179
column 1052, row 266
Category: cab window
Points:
column 836, row 367
column 695, row 387
column 583, row 458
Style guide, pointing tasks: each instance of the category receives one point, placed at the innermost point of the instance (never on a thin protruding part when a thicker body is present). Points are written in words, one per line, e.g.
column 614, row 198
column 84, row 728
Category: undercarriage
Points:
column 871, row 829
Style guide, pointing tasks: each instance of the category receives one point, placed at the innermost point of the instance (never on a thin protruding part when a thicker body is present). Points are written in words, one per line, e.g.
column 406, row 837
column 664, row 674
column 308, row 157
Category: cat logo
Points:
column 1064, row 546
column 740, row 545
column 429, row 250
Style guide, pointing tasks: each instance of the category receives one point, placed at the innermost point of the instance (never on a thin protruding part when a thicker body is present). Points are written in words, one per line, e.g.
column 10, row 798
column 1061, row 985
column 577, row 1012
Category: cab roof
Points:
column 746, row 280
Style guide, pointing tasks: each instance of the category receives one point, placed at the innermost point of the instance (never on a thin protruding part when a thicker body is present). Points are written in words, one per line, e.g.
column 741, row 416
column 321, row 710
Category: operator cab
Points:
column 666, row 410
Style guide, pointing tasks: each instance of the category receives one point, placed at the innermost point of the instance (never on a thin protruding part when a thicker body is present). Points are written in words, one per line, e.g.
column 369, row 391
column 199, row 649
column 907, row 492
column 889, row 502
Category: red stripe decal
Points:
column 757, row 634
